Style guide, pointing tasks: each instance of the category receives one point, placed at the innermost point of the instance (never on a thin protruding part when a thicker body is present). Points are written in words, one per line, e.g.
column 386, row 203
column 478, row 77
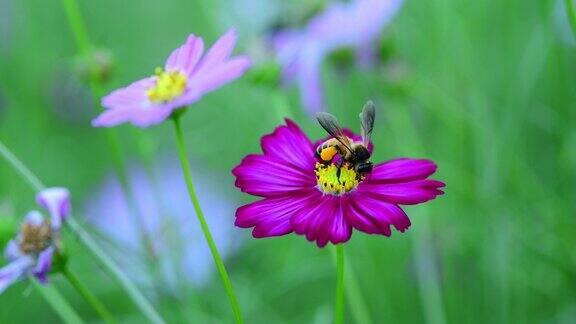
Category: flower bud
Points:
column 267, row 73
column 98, row 65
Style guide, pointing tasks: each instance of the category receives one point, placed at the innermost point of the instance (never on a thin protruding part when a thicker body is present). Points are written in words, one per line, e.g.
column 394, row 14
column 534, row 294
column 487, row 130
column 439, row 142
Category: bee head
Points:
column 361, row 153
column 364, row 167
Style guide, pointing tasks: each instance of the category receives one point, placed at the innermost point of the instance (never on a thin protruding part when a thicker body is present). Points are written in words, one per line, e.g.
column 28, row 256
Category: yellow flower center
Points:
column 330, row 183
column 169, row 85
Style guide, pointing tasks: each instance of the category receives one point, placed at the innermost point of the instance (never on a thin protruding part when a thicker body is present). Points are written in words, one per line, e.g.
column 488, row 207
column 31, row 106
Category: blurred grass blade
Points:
column 21, row 168
column 571, row 12
column 107, row 263
column 426, row 267
column 88, row 296
column 57, row 302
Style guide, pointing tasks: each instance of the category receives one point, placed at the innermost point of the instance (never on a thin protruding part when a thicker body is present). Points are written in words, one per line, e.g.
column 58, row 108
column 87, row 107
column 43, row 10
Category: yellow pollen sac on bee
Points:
column 169, row 86
column 329, row 183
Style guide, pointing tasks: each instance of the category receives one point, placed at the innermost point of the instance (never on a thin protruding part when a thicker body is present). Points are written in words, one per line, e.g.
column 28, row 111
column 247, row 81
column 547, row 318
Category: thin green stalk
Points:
column 339, row 304
column 354, row 299
column 88, row 242
column 189, row 183
column 88, row 296
column 85, row 47
column 77, row 25
column 57, row 302
column 108, row 264
column 571, row 12
column 21, row 168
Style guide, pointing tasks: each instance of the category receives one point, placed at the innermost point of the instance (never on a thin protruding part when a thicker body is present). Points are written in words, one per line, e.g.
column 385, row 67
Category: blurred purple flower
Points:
column 301, row 52
column 186, row 77
column 32, row 250
column 164, row 208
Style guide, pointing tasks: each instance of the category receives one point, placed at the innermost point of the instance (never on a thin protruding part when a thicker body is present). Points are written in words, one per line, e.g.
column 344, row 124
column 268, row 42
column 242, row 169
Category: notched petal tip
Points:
column 56, row 201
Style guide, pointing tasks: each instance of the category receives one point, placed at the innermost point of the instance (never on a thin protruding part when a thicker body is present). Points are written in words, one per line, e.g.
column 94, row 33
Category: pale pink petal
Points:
column 185, row 57
column 219, row 52
column 211, row 79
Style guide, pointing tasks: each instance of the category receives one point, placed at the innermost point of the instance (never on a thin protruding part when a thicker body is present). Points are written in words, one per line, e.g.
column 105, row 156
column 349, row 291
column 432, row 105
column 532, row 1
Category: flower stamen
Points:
column 35, row 237
column 329, row 182
column 169, row 86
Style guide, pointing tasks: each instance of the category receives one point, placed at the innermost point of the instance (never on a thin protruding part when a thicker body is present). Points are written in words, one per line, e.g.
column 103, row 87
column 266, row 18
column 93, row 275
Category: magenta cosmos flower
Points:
column 31, row 252
column 306, row 197
column 185, row 78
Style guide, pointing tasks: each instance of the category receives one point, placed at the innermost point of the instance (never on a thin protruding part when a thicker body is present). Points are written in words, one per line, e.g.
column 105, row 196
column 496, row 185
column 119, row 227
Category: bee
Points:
column 356, row 154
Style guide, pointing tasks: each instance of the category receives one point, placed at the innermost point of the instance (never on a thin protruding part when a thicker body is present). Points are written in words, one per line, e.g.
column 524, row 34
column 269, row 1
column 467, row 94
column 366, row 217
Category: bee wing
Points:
column 367, row 117
column 331, row 125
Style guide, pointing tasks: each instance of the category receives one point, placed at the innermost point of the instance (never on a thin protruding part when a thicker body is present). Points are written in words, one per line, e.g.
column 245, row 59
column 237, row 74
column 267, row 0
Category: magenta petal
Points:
column 323, row 220
column 266, row 176
column 408, row 193
column 307, row 221
column 270, row 216
column 57, row 201
column 335, row 228
column 290, row 145
column 44, row 265
column 219, row 52
column 381, row 213
column 402, row 170
column 185, row 57
column 360, row 220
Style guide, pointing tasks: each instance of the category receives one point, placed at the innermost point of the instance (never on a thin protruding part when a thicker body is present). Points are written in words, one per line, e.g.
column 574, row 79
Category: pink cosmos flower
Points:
column 305, row 197
column 185, row 78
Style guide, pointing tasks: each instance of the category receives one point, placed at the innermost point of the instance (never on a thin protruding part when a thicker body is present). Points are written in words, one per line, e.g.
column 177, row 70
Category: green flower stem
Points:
column 113, row 142
column 189, row 183
column 57, row 302
column 77, row 24
column 85, row 47
column 354, row 299
column 88, row 296
column 88, row 242
column 339, row 304
column 571, row 12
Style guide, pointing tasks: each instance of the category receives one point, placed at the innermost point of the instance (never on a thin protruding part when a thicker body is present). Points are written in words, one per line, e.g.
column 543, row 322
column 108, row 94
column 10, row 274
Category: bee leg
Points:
column 339, row 166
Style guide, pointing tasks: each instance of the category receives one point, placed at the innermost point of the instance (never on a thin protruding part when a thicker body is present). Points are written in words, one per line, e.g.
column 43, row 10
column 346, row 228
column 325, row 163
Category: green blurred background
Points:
column 484, row 88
